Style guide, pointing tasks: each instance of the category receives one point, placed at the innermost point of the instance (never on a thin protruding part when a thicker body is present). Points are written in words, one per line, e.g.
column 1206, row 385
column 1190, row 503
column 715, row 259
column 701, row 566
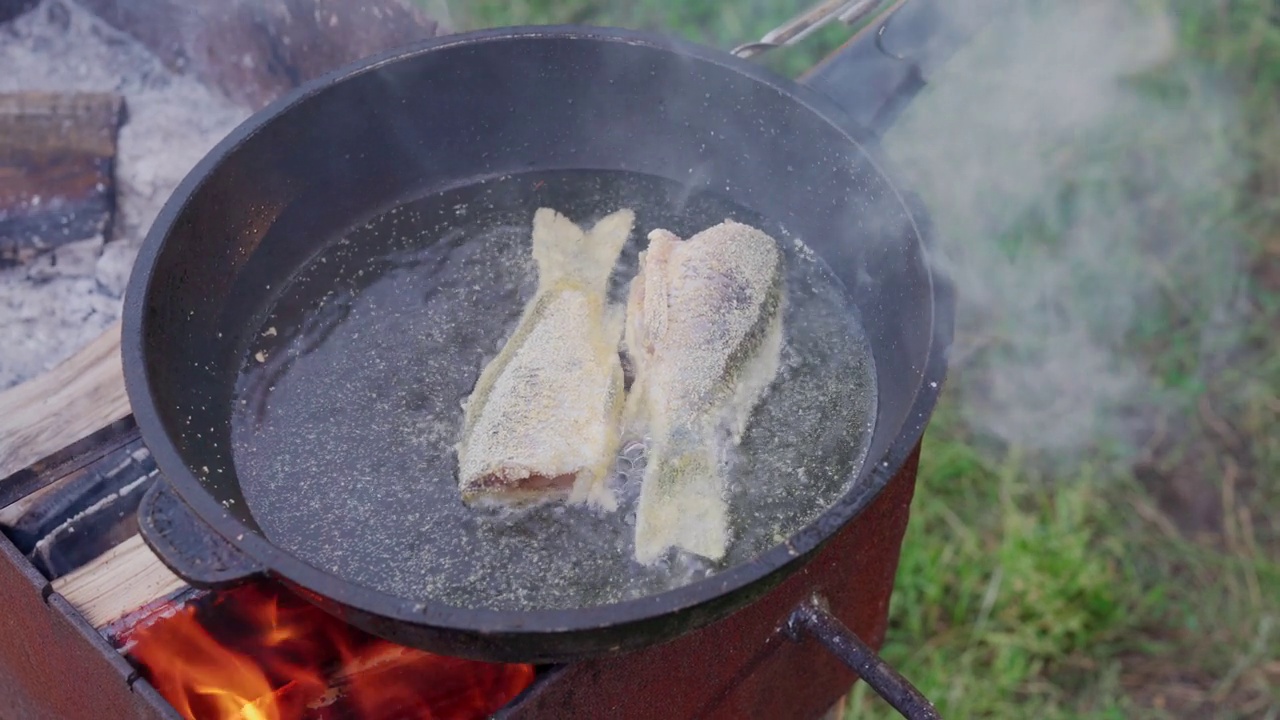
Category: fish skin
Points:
column 542, row 423
column 704, row 334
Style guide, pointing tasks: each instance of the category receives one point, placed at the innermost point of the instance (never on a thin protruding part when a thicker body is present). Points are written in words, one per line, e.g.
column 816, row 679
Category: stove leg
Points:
column 812, row 619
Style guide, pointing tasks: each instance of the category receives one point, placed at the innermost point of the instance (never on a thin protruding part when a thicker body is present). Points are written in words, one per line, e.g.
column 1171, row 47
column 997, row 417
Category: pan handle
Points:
column 813, row 619
column 888, row 60
column 807, row 22
column 186, row 544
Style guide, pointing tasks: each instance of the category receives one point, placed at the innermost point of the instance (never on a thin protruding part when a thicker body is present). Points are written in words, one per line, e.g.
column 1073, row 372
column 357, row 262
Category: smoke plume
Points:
column 1073, row 200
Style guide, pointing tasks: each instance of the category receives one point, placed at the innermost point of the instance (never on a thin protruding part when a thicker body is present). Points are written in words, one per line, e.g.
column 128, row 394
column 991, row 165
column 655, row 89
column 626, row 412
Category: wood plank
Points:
column 253, row 51
column 49, row 412
column 57, row 155
column 120, row 581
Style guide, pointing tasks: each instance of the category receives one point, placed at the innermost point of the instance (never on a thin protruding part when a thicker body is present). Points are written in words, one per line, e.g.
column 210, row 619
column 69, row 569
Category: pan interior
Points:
column 348, row 403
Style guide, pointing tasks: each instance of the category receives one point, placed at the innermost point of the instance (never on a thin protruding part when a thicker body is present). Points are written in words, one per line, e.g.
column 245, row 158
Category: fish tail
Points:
column 564, row 252
column 610, row 234
column 682, row 503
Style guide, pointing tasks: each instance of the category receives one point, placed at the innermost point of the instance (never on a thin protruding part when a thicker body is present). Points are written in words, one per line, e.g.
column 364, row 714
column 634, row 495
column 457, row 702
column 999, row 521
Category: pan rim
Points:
column 760, row 573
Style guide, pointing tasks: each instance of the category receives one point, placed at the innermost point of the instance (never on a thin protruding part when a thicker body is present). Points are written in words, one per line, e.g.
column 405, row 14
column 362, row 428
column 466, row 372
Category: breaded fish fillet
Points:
column 704, row 333
column 543, row 420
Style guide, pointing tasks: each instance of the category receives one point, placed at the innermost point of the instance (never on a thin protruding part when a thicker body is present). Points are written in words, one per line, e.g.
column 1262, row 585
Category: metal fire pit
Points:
column 53, row 663
column 760, row 662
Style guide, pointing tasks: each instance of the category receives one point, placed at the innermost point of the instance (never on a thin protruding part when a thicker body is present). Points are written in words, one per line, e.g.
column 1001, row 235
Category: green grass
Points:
column 1120, row 581
column 1135, row 574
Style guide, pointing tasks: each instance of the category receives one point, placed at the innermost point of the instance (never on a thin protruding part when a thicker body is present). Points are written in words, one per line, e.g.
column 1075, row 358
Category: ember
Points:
column 257, row 652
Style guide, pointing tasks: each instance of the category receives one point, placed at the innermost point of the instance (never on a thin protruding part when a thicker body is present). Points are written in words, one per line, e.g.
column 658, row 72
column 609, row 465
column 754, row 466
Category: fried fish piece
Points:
column 543, row 420
column 704, row 334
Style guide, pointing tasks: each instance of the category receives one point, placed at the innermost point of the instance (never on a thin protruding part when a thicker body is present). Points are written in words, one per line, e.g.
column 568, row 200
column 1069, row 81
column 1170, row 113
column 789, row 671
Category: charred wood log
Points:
column 57, row 154
column 94, row 510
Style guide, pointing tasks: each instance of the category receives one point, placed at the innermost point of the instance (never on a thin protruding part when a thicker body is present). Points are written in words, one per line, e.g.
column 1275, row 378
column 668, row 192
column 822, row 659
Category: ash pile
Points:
column 99, row 133
column 104, row 108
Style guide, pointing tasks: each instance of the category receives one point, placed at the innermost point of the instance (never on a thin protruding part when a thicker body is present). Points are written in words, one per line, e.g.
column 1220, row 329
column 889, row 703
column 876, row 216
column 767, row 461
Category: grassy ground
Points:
column 1133, row 571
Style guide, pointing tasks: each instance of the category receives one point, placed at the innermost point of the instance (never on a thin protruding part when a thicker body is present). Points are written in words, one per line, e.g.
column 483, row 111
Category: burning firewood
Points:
column 127, row 577
column 258, row 651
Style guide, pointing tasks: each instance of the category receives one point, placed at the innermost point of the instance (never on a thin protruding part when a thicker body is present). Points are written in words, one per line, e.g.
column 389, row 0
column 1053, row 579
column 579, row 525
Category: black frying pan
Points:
column 457, row 115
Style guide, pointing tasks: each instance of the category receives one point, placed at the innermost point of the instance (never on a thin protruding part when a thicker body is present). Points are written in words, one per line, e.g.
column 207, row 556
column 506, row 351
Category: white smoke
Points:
column 1069, row 201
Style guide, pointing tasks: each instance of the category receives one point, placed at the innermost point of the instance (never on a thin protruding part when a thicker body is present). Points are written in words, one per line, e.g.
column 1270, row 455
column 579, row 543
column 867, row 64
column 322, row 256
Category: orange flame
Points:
column 264, row 654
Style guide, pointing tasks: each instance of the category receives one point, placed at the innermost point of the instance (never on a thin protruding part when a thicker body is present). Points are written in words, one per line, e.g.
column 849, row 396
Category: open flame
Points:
column 258, row 652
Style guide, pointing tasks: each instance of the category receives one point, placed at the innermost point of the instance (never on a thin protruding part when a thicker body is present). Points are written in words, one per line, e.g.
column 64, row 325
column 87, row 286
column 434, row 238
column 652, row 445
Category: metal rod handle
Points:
column 824, row 12
column 812, row 619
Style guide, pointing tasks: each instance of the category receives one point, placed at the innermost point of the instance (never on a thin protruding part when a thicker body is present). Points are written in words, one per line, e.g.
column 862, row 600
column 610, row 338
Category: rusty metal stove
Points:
column 58, row 661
